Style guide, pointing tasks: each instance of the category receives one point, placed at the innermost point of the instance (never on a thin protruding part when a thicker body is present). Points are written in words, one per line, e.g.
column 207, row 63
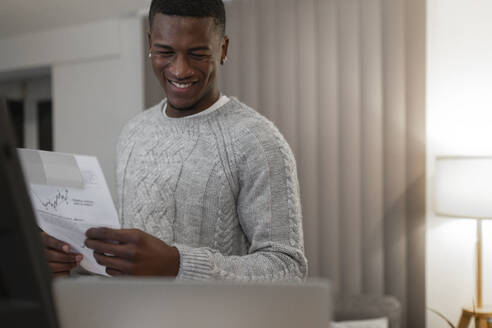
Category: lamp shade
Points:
column 463, row 187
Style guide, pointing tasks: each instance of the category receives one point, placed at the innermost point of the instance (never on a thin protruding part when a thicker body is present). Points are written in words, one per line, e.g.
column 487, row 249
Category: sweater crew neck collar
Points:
column 219, row 103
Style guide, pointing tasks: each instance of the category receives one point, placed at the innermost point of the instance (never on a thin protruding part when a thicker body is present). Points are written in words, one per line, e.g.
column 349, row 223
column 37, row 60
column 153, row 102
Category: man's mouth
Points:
column 181, row 85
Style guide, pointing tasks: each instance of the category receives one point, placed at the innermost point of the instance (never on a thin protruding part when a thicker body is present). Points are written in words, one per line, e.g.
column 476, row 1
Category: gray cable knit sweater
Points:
column 221, row 186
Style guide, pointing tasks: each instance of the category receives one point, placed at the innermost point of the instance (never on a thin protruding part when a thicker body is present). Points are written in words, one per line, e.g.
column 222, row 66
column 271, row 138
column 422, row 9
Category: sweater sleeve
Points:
column 269, row 211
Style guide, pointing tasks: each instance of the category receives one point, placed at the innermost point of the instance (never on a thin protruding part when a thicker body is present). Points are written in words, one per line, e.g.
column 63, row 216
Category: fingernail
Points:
column 66, row 248
column 78, row 258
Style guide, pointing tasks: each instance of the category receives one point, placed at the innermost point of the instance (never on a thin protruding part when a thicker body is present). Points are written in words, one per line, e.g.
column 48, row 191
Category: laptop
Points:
column 25, row 281
column 160, row 303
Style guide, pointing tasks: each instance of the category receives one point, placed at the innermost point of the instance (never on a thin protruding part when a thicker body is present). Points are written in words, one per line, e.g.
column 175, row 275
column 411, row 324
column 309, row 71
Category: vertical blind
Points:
column 344, row 81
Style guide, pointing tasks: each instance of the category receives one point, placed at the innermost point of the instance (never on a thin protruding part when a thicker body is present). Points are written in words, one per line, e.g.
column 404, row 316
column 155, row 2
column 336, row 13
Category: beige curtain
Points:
column 344, row 80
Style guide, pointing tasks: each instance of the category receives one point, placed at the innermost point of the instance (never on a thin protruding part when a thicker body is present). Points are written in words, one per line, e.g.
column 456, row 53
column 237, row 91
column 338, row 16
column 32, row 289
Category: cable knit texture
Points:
column 221, row 186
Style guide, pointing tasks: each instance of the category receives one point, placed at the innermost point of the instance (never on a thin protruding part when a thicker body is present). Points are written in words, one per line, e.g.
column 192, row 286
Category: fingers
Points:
column 113, row 272
column 61, row 267
column 60, row 259
column 113, row 263
column 60, row 263
column 55, row 256
column 122, row 235
column 119, row 250
column 51, row 242
column 61, row 274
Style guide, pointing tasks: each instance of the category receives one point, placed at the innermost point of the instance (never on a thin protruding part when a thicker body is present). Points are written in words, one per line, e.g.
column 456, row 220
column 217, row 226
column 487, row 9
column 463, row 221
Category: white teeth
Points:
column 181, row 85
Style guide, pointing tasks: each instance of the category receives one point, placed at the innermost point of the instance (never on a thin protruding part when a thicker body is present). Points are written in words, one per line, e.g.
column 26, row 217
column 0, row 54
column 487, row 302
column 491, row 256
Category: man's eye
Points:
column 199, row 56
column 165, row 53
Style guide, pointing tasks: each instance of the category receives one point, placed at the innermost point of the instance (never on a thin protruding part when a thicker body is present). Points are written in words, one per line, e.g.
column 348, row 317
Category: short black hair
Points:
column 190, row 8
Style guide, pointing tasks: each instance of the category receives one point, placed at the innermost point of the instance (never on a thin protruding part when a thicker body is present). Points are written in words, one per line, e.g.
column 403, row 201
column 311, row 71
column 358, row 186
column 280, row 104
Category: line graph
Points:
column 54, row 202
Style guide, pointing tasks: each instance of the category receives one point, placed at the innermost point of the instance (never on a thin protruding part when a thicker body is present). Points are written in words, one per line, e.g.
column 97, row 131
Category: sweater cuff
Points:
column 194, row 263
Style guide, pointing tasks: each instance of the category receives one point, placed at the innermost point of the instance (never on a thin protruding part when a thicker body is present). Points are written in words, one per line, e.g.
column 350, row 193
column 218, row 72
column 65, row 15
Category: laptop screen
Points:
column 25, row 283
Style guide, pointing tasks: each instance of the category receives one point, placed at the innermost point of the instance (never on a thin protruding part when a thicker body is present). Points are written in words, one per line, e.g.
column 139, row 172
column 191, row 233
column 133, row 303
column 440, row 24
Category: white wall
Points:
column 94, row 99
column 459, row 122
column 97, row 81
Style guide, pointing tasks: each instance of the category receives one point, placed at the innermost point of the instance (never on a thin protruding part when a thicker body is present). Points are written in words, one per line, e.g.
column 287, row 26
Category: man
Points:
column 207, row 187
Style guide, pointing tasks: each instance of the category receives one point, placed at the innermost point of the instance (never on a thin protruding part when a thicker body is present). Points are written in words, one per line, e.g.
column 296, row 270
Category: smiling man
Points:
column 207, row 187
column 186, row 53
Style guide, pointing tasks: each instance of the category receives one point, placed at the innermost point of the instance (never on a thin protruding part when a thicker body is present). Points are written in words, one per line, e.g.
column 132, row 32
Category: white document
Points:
column 67, row 212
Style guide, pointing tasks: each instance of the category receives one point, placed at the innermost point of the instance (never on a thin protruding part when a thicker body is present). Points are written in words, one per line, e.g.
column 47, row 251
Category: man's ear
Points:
column 224, row 49
column 149, row 41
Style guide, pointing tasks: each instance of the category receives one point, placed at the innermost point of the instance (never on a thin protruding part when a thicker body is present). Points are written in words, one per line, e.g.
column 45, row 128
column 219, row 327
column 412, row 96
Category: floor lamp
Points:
column 463, row 189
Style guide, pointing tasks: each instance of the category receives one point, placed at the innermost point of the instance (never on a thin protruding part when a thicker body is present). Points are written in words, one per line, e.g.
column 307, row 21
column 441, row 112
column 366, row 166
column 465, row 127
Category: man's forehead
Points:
column 175, row 24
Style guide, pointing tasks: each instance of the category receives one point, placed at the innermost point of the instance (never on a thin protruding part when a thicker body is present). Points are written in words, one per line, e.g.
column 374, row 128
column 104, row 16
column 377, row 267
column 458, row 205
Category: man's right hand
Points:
column 59, row 257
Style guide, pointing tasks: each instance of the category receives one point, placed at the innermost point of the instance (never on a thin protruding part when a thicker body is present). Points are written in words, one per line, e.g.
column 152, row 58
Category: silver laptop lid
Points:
column 137, row 302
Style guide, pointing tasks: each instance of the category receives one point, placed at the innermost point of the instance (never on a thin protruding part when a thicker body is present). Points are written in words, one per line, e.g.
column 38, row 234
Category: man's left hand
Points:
column 132, row 252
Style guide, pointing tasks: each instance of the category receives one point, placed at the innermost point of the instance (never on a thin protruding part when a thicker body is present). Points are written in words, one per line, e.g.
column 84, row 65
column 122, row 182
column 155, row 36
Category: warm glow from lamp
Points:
column 463, row 189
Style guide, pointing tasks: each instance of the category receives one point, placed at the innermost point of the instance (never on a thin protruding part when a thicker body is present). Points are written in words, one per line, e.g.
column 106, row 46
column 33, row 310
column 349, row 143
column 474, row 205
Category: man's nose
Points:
column 181, row 68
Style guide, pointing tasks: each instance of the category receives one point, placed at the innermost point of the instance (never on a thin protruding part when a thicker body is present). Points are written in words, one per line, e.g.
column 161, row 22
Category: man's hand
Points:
column 132, row 252
column 60, row 260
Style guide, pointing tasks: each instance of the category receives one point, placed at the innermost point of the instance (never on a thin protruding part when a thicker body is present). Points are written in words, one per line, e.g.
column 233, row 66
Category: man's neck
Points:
column 197, row 108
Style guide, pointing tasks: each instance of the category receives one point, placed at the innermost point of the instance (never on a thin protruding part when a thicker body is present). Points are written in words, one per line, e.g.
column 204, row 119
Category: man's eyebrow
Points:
column 200, row 48
column 163, row 46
